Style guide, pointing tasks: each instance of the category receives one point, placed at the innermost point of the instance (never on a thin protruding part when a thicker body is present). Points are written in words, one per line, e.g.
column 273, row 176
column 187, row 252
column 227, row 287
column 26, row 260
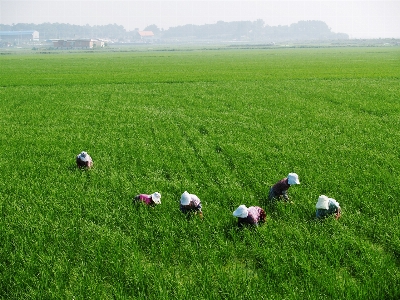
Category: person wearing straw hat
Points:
column 279, row 190
column 327, row 207
column 252, row 215
column 83, row 160
column 152, row 199
column 190, row 203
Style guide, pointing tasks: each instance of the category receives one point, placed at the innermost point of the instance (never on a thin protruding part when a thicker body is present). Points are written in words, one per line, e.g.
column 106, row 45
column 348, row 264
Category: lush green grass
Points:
column 224, row 125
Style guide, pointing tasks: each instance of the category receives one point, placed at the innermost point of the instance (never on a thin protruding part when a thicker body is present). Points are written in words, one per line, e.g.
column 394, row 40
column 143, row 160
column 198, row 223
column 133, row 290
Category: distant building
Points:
column 146, row 35
column 78, row 43
column 19, row 37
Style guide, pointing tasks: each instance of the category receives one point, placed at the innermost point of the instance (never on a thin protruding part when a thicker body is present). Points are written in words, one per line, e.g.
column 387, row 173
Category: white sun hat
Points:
column 293, row 178
column 323, row 202
column 156, row 197
column 185, row 198
column 241, row 212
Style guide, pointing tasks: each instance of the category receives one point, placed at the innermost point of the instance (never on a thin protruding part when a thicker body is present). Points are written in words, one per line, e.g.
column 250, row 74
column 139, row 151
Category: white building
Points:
column 19, row 37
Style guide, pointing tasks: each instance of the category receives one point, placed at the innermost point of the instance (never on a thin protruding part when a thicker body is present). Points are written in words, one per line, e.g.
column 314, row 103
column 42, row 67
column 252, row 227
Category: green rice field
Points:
column 224, row 124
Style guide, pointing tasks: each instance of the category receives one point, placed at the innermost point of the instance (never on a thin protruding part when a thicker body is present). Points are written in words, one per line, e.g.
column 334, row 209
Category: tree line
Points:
column 256, row 31
column 236, row 30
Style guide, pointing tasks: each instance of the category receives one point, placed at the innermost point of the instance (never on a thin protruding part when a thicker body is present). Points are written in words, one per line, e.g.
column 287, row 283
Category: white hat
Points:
column 185, row 198
column 293, row 178
column 241, row 212
column 323, row 202
column 156, row 197
column 84, row 156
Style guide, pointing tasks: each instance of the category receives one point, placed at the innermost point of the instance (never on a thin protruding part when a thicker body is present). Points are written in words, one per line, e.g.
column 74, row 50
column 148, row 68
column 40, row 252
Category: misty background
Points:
column 236, row 31
column 356, row 19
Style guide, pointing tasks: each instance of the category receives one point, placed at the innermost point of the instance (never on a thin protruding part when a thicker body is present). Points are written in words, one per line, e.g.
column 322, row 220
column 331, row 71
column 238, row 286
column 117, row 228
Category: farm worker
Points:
column 190, row 203
column 326, row 207
column 152, row 199
column 252, row 215
column 84, row 160
column 279, row 189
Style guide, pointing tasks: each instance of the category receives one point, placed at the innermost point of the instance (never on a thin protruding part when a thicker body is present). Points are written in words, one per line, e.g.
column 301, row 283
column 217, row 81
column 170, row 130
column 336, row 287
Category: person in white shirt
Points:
column 83, row 160
column 327, row 207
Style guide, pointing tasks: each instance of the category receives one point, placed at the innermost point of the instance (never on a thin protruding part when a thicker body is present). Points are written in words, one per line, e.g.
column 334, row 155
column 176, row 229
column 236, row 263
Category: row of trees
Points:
column 238, row 30
column 242, row 30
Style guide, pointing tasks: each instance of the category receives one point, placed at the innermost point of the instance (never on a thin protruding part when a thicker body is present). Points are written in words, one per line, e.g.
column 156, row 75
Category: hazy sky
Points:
column 358, row 18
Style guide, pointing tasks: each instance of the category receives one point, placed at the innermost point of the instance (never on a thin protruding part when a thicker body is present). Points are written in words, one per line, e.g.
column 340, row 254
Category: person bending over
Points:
column 280, row 189
column 253, row 215
column 190, row 203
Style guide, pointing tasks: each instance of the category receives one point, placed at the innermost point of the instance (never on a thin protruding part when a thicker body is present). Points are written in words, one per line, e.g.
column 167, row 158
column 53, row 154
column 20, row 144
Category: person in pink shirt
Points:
column 152, row 199
column 253, row 215
column 190, row 203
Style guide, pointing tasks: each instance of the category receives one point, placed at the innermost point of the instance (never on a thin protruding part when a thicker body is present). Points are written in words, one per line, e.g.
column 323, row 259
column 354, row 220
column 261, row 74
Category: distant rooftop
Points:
column 146, row 33
column 25, row 32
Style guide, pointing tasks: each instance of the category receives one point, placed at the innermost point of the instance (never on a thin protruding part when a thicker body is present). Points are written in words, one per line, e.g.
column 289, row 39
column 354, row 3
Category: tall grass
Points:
column 224, row 125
